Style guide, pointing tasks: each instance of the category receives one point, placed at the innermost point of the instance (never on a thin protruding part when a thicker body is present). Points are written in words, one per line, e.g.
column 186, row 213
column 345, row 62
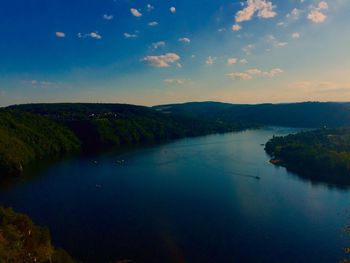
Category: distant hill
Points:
column 203, row 110
column 305, row 114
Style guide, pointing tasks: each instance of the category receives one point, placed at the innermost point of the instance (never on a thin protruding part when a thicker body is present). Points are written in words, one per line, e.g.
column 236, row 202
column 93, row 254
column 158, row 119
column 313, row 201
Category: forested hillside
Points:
column 26, row 137
column 306, row 114
column 323, row 155
column 33, row 131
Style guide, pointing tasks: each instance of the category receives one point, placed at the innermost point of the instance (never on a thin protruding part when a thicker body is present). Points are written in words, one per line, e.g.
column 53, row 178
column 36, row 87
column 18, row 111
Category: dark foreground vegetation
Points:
column 23, row 242
column 322, row 155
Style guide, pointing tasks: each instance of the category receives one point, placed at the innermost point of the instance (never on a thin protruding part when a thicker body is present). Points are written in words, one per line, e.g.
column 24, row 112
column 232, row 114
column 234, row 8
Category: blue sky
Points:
column 154, row 52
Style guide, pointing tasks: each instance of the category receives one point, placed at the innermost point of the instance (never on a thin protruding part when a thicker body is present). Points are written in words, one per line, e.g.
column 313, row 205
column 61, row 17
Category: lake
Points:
column 207, row 199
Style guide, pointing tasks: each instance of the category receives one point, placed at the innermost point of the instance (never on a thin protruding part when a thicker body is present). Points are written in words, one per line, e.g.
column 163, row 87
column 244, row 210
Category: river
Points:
column 208, row 199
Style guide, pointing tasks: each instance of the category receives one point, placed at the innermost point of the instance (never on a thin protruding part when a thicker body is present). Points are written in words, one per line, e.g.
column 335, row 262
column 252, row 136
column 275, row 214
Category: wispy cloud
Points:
column 128, row 35
column 107, row 17
column 158, row 44
column 275, row 43
column 248, row 49
column 210, row 60
column 162, row 61
column 153, row 23
column 177, row 81
column 149, row 7
column 254, row 73
column 44, row 84
column 184, row 40
column 294, row 14
column 296, row 35
column 94, row 35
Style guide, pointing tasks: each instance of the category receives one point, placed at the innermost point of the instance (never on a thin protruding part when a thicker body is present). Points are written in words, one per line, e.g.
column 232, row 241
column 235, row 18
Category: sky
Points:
column 158, row 51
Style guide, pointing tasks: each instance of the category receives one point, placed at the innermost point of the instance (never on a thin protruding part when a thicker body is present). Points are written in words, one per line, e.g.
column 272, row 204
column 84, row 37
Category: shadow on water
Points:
column 316, row 181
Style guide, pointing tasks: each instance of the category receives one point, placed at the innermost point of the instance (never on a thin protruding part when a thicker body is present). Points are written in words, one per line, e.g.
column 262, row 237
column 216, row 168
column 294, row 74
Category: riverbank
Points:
column 320, row 155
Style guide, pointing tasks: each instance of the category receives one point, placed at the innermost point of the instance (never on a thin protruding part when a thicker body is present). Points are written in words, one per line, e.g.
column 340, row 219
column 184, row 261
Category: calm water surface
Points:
column 193, row 200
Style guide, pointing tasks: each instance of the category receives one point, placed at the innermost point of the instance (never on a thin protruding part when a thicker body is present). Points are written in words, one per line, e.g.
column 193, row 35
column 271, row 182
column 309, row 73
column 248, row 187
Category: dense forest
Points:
column 26, row 137
column 35, row 131
column 23, row 242
column 323, row 155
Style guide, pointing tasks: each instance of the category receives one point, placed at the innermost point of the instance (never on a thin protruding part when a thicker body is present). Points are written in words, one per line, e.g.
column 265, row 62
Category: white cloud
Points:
column 236, row 27
column 263, row 8
column 107, row 17
column 243, row 61
column 184, row 40
column 158, row 44
column 221, row 30
column 135, row 12
column 162, row 61
column 128, row 35
column 173, row 9
column 296, row 35
column 255, row 73
column 210, row 60
column 316, row 14
column 153, row 23
column 60, row 34
column 94, row 35
column 232, row 61
column 149, row 7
